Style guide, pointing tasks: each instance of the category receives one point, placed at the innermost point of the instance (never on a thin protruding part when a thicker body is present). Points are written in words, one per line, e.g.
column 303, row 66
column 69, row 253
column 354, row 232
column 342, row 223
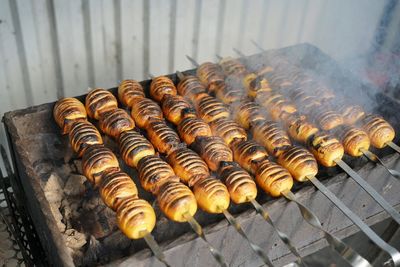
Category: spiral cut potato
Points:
column 144, row 110
column 240, row 185
column 128, row 91
column 210, row 75
column 303, row 99
column 212, row 195
column 68, row 110
column 192, row 127
column 98, row 101
column 154, row 172
column 82, row 135
column 278, row 80
column 135, row 217
column 177, row 201
column 213, row 151
column 272, row 136
column 229, row 93
column 299, row 162
column 228, row 130
column 352, row 113
column 190, row 86
column 273, row 178
column 133, row 147
column 248, row 113
column 326, row 119
column 115, row 122
column 96, row 160
column 173, row 107
column 232, row 67
column 162, row 136
column 209, row 108
column 116, row 186
column 380, row 132
column 256, row 85
column 161, row 86
column 278, row 107
column 325, row 148
column 299, row 128
column 188, row 165
column 354, row 140
column 323, row 92
column 247, row 152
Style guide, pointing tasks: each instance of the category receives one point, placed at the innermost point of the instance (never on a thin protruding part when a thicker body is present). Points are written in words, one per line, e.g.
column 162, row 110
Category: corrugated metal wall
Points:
column 55, row 48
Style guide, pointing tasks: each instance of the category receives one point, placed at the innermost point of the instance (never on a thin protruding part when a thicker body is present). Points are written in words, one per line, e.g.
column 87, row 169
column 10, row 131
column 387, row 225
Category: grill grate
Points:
column 22, row 246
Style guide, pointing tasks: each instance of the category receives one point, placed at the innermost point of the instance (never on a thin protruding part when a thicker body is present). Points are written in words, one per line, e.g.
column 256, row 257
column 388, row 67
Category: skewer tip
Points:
column 193, row 61
column 237, row 51
column 180, row 75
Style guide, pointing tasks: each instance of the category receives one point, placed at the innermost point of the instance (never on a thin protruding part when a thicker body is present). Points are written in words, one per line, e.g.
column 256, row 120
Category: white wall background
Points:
column 55, row 48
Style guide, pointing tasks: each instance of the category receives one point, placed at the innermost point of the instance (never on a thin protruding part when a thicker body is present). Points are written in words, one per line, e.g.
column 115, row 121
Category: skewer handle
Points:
column 346, row 252
column 394, row 254
column 155, row 248
column 199, row 231
column 370, row 190
column 374, row 158
column 285, row 239
column 239, row 229
column 394, row 147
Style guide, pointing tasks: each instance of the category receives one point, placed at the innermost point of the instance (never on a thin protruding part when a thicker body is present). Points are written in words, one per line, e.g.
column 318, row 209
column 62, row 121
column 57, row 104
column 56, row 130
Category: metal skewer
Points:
column 394, row 147
column 199, row 231
column 238, row 52
column 361, row 182
column 339, row 248
column 370, row 190
column 257, row 45
column 155, row 248
column 394, row 254
column 229, row 216
column 285, row 239
column 193, row 61
column 346, row 252
column 239, row 229
column 195, row 225
column 374, row 158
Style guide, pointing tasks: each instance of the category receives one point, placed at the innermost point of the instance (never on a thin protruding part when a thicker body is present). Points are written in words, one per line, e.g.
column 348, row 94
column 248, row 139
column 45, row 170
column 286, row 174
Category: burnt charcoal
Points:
column 75, row 185
column 93, row 253
column 74, row 239
column 78, row 165
column 53, row 188
column 55, row 210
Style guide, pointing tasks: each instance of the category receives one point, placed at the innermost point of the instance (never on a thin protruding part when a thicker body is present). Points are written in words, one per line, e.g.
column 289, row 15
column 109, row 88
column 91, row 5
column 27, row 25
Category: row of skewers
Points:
column 325, row 148
column 214, row 141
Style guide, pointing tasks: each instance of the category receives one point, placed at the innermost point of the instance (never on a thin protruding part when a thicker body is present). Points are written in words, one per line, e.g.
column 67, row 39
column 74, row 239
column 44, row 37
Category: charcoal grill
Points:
column 42, row 163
